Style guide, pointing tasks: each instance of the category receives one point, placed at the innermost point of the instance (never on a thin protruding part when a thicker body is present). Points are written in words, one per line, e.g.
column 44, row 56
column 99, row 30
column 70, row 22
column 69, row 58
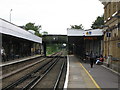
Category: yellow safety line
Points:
column 91, row 77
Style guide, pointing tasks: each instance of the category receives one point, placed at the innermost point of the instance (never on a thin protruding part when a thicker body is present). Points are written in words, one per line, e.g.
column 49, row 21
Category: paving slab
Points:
column 78, row 78
column 104, row 77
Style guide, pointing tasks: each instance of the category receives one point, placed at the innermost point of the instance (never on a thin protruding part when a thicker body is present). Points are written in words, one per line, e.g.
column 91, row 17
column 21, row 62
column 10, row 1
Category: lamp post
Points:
column 10, row 14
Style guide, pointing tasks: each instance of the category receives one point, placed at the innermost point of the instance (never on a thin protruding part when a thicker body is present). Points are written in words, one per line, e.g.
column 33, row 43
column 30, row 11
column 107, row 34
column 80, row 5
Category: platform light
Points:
column 64, row 44
column 54, row 38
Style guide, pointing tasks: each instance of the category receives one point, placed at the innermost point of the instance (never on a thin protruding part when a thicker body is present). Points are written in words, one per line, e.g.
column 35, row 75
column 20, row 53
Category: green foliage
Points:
column 77, row 26
column 52, row 48
column 98, row 22
column 44, row 33
column 38, row 34
column 31, row 26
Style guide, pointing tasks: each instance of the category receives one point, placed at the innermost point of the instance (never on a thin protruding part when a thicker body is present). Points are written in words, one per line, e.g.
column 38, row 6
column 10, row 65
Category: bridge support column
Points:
column 44, row 49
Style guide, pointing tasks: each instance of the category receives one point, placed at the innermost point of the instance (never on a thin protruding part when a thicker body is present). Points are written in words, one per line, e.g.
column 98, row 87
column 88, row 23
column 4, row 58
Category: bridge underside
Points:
column 53, row 42
column 54, row 39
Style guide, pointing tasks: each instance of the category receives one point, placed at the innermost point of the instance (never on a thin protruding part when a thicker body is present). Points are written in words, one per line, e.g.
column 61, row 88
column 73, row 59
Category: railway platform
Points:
column 81, row 75
column 18, row 60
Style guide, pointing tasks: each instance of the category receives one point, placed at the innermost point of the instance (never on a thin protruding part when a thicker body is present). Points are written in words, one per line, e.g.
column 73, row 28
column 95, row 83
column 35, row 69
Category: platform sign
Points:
column 88, row 33
column 90, row 38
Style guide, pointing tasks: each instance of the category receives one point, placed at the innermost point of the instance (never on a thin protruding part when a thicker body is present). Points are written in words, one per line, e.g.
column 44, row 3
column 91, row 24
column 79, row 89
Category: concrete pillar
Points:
column 44, row 49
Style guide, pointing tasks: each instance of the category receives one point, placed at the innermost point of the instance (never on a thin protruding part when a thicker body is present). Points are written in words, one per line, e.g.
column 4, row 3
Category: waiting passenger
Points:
column 92, row 57
column 3, row 54
column 100, row 60
column 97, row 61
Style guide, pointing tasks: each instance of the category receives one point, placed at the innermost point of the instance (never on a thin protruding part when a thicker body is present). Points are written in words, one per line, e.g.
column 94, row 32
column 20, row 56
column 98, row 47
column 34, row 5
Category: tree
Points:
column 44, row 33
column 98, row 22
column 31, row 26
column 77, row 26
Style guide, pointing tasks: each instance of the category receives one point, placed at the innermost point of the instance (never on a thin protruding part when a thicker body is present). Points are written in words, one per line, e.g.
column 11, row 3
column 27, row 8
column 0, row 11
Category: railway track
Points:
column 12, row 65
column 19, row 64
column 53, row 80
column 48, row 74
column 14, row 75
column 10, row 69
column 30, row 78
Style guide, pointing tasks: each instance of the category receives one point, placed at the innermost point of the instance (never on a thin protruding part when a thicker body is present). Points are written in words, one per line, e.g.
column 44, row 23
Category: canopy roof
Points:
column 79, row 32
column 13, row 30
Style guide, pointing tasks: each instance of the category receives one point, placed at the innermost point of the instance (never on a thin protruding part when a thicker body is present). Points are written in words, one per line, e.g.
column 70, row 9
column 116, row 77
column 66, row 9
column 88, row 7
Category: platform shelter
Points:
column 82, row 41
column 18, row 42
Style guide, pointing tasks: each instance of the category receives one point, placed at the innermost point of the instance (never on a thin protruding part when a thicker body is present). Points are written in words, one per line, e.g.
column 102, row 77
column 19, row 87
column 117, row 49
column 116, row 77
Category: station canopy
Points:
column 81, row 41
column 79, row 32
column 13, row 30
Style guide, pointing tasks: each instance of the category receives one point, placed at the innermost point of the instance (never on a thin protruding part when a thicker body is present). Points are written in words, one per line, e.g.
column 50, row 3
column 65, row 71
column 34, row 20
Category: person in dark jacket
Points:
column 92, row 57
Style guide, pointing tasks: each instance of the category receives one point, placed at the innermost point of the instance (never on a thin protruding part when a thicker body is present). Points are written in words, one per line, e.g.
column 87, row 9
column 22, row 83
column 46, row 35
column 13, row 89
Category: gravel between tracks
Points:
column 49, row 80
column 16, row 76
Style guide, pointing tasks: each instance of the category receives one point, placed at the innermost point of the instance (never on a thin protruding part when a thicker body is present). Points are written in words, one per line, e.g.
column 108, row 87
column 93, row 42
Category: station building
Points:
column 112, row 33
column 18, row 42
column 82, row 41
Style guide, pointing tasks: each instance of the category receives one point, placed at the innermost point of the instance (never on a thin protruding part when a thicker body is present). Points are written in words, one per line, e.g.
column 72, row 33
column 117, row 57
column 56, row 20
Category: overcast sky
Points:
column 55, row 16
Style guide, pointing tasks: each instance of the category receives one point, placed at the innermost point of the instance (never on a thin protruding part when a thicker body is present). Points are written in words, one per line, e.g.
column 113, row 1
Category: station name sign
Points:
column 90, row 38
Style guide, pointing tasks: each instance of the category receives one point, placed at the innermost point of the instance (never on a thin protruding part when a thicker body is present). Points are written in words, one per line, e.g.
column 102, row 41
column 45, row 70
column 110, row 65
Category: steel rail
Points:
column 33, row 83
column 24, row 60
column 12, row 85
column 23, row 68
column 24, row 78
column 59, row 76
